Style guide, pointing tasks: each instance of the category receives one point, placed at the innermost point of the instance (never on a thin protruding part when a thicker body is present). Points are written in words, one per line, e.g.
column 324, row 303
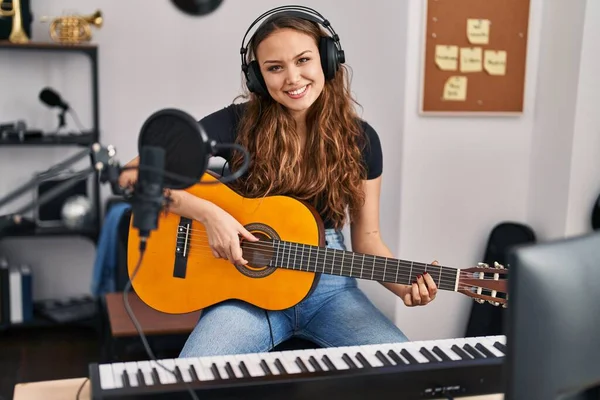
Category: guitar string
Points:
column 270, row 246
column 377, row 266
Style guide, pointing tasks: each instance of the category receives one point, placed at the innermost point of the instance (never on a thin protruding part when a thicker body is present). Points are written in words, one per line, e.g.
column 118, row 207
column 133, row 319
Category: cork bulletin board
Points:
column 474, row 57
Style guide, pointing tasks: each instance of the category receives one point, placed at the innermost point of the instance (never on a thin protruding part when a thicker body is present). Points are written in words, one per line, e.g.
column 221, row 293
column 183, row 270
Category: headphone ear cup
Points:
column 329, row 57
column 255, row 80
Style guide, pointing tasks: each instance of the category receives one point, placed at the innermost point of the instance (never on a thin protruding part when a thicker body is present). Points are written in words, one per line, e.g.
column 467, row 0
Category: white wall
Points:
column 447, row 181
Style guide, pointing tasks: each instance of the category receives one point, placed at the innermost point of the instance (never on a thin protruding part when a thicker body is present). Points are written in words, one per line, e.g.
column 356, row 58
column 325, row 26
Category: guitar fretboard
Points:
column 329, row 261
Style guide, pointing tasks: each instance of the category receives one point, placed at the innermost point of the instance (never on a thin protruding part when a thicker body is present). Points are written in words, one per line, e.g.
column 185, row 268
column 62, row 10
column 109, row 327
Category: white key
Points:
column 132, row 369
column 118, row 369
column 184, row 365
column 369, row 353
column 144, row 366
column 289, row 364
column 270, row 360
column 252, row 362
column 162, row 374
column 204, row 373
column 335, row 355
column 169, row 364
column 107, row 380
column 234, row 366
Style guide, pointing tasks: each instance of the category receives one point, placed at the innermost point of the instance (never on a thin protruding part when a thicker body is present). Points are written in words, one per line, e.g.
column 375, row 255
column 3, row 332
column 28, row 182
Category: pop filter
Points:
column 185, row 144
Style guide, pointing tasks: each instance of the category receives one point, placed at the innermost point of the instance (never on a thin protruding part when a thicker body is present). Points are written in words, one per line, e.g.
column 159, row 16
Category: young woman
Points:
column 306, row 141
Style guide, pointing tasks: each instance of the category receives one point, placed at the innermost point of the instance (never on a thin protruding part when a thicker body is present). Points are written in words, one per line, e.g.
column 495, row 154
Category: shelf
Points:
column 84, row 139
column 38, row 232
column 50, row 46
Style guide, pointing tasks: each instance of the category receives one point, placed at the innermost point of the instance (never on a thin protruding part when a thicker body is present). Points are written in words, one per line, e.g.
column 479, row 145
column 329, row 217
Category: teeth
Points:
column 297, row 92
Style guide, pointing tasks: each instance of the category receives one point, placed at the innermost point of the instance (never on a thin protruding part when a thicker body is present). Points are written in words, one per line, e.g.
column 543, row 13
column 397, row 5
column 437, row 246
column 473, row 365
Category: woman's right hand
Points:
column 224, row 233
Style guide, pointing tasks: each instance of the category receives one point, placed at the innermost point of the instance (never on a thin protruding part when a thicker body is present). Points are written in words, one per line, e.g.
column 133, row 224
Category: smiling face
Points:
column 291, row 67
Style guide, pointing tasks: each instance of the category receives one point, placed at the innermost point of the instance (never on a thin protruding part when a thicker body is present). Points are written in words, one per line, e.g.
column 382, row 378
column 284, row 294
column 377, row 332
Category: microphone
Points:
column 148, row 198
column 197, row 7
column 52, row 99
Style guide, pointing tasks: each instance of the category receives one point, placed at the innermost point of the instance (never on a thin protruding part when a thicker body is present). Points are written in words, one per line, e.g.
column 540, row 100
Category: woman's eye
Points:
column 304, row 59
column 274, row 68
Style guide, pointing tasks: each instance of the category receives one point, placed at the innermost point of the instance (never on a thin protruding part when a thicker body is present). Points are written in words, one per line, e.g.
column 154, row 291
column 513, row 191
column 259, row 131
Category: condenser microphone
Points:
column 49, row 97
column 148, row 198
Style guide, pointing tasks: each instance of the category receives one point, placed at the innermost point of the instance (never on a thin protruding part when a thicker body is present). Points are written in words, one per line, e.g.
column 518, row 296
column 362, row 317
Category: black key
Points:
column 194, row 373
column 440, row 353
column 328, row 362
column 155, row 377
column 280, row 367
column 140, row 377
column 265, row 367
column 460, row 352
column 363, row 360
column 315, row 363
column 300, row 364
column 215, row 371
column 409, row 357
column 244, row 370
column 484, row 350
column 428, row 355
column 397, row 359
column 229, row 370
column 125, row 378
column 382, row 358
column 472, row 351
column 349, row 361
column 178, row 376
column 500, row 347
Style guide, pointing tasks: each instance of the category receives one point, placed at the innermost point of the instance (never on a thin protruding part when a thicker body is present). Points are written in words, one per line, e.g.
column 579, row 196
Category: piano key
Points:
column 207, row 363
column 132, row 369
column 144, row 366
column 234, row 365
column 363, row 361
column 106, row 376
column 500, row 347
column 461, row 353
column 408, row 357
column 160, row 373
column 428, row 355
column 469, row 349
column 244, row 370
column 252, row 362
column 215, row 371
column 125, row 379
column 219, row 362
column 271, row 357
column 118, row 369
column 280, row 366
column 384, row 360
column 155, row 376
column 368, row 351
column 397, row 359
column 184, row 369
column 489, row 344
column 414, row 349
column 481, row 347
column 446, row 347
column 229, row 370
column 348, row 361
column 327, row 361
column 301, row 365
column 265, row 367
column 168, row 366
column 334, row 355
column 441, row 354
column 200, row 370
column 315, row 363
column 140, row 378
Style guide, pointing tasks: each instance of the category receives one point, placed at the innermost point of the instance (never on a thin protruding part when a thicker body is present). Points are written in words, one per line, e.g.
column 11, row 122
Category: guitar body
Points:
column 179, row 273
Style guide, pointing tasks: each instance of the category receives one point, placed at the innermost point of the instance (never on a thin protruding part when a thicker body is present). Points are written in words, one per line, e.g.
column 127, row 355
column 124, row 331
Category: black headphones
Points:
column 330, row 48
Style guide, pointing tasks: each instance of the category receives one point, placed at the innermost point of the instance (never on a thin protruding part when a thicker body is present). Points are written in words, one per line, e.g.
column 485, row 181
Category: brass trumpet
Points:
column 74, row 28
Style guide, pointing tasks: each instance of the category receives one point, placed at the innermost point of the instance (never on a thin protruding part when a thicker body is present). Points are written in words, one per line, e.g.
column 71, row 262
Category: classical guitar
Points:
column 179, row 273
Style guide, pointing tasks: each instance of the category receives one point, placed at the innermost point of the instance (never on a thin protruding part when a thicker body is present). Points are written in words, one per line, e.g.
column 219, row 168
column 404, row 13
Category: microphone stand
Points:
column 102, row 161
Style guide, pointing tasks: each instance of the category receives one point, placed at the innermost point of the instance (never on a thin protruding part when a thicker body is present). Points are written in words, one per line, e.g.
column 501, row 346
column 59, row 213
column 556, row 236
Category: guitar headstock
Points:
column 484, row 283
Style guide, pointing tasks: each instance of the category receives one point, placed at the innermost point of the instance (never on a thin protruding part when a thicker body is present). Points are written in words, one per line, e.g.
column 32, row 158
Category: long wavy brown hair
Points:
column 327, row 172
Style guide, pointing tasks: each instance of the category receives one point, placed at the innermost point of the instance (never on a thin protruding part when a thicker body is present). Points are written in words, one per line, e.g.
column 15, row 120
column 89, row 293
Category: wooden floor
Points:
column 28, row 355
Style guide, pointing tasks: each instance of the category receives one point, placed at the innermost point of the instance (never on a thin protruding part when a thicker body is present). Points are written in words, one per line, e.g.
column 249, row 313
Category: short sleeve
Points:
column 372, row 153
column 222, row 126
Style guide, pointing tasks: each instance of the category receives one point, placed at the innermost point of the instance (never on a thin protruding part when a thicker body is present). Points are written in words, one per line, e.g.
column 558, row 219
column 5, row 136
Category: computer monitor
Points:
column 553, row 320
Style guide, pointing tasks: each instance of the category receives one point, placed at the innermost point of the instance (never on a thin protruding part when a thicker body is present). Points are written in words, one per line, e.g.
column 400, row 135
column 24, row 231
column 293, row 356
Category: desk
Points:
column 67, row 389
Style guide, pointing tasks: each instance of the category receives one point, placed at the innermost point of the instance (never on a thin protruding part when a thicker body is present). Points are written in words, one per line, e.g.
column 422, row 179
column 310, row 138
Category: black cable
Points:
column 81, row 387
column 270, row 329
column 136, row 323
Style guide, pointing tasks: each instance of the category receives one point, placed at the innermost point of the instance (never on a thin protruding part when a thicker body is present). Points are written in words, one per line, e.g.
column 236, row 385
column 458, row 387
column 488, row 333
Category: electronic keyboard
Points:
column 430, row 369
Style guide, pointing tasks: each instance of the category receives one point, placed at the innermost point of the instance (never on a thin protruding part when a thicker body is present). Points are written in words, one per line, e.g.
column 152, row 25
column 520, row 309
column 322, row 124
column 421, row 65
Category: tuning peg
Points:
column 494, row 303
column 480, row 301
column 482, row 264
column 505, row 305
column 498, row 265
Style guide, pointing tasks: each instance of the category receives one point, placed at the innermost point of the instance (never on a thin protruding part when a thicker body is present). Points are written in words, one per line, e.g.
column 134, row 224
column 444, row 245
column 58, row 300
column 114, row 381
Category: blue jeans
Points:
column 337, row 313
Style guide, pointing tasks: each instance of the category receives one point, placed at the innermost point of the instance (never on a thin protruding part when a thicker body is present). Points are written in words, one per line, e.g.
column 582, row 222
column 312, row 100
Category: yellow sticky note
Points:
column 446, row 57
column 471, row 59
column 478, row 31
column 495, row 62
column 455, row 88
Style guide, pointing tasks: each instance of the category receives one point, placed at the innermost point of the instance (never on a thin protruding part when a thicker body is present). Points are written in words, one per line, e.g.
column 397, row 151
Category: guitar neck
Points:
column 329, row 261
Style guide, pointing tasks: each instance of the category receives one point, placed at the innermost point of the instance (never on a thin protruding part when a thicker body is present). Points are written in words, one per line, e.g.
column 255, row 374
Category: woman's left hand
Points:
column 420, row 293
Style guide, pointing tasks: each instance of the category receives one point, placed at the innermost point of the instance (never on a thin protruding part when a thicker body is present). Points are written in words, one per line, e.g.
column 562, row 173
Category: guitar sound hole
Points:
column 259, row 254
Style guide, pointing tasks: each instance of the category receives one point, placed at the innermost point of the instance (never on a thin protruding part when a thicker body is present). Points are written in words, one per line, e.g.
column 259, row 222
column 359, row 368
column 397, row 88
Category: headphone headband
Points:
column 301, row 11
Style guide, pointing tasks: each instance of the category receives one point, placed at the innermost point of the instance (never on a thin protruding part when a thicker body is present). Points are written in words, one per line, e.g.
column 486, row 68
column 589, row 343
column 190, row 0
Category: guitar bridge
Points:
column 184, row 236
